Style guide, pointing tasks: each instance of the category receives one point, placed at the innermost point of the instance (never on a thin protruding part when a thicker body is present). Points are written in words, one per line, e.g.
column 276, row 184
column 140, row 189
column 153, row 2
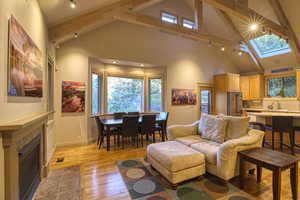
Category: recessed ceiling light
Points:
column 73, row 4
column 114, row 62
column 142, row 65
column 253, row 27
column 240, row 53
column 75, row 35
column 222, row 48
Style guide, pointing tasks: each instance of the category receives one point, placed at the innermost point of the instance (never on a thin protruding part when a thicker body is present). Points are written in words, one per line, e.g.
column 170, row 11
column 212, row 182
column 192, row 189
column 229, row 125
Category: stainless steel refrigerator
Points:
column 229, row 103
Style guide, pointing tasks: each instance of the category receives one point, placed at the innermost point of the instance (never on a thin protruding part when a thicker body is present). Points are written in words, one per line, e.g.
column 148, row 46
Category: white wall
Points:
column 187, row 61
column 29, row 15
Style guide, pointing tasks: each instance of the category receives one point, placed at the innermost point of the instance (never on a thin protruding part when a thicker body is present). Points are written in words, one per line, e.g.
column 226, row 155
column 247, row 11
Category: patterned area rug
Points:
column 144, row 183
column 61, row 184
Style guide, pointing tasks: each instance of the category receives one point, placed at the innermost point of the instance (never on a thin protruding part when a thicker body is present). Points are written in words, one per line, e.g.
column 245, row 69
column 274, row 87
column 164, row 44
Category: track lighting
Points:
column 210, row 44
column 73, row 4
column 75, row 35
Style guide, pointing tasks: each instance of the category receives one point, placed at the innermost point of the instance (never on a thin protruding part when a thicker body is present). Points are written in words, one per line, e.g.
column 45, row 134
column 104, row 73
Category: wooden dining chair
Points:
column 130, row 129
column 148, row 127
column 162, row 127
column 282, row 124
column 101, row 134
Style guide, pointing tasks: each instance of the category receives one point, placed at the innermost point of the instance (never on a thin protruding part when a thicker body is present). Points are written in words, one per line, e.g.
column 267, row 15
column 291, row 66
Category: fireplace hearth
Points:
column 29, row 168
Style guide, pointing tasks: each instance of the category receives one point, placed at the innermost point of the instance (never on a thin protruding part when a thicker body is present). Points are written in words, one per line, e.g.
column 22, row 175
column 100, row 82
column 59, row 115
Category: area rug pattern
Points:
column 61, row 184
column 144, row 183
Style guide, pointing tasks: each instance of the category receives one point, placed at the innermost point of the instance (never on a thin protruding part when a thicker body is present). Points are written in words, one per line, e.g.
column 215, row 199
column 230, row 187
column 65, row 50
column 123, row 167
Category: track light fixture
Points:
column 75, row 35
column 73, row 4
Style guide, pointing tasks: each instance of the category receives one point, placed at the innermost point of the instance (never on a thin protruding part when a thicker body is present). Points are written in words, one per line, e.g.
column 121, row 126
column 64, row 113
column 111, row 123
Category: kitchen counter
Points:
column 258, row 110
column 271, row 114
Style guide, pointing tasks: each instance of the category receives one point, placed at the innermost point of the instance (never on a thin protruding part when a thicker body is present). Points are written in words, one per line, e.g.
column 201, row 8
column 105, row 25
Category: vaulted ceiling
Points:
column 228, row 25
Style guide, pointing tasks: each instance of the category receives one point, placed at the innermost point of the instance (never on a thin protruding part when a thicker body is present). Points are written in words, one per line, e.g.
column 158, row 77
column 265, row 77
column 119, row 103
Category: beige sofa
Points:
column 220, row 158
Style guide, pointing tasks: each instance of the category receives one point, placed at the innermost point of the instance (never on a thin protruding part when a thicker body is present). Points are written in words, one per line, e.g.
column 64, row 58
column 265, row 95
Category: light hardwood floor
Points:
column 101, row 180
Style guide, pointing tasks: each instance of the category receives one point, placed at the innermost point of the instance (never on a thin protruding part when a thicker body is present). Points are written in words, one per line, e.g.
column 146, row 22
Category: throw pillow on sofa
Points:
column 212, row 128
column 237, row 126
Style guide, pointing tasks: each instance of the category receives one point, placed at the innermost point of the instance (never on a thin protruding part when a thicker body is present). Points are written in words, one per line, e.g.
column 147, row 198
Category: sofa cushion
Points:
column 188, row 140
column 212, row 128
column 237, row 127
column 209, row 149
column 175, row 156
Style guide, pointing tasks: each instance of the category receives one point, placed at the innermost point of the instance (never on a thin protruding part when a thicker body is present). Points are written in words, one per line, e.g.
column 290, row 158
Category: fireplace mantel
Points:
column 15, row 135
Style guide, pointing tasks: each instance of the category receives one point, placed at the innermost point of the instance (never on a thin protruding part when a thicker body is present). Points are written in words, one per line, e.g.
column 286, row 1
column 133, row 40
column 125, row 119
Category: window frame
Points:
column 272, row 53
column 128, row 77
column 149, row 93
column 100, row 82
column 169, row 13
column 186, row 19
column 278, row 75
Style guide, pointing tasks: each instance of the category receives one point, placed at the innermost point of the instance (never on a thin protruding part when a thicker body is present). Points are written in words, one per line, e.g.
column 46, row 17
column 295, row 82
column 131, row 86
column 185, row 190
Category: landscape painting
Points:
column 25, row 63
column 184, row 97
column 73, row 96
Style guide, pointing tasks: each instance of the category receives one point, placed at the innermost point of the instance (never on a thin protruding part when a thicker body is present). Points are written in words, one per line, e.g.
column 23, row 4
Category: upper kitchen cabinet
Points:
column 252, row 87
column 298, row 83
column 227, row 82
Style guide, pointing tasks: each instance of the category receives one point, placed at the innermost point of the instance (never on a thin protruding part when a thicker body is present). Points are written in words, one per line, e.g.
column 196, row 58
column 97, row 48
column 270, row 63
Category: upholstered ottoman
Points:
column 175, row 161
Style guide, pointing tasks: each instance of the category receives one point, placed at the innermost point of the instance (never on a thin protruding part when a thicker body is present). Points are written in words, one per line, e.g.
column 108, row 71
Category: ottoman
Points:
column 175, row 161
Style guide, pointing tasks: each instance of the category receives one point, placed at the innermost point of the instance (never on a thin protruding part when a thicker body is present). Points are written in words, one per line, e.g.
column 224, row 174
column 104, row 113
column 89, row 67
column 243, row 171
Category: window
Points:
column 96, row 93
column 155, row 98
column 188, row 24
column 205, row 99
column 282, row 86
column 169, row 18
column 270, row 45
column 125, row 94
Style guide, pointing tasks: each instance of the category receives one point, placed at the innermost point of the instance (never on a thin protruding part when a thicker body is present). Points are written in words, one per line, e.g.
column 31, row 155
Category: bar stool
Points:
column 282, row 124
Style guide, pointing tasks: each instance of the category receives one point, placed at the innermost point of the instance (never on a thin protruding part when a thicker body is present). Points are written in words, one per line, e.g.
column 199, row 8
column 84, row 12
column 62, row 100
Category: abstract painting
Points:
column 73, row 96
column 25, row 63
column 184, row 97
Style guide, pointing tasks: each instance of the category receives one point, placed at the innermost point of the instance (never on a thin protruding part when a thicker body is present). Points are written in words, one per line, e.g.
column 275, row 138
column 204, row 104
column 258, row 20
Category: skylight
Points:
column 188, row 24
column 166, row 17
column 270, row 45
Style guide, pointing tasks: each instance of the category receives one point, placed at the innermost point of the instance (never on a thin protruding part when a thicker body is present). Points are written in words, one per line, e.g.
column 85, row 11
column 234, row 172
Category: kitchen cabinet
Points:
column 252, row 87
column 227, row 82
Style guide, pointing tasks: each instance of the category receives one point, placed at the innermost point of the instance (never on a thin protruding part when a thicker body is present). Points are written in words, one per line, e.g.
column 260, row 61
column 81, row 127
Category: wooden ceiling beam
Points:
column 293, row 40
column 251, row 50
column 94, row 19
column 198, row 13
column 247, row 15
column 156, row 23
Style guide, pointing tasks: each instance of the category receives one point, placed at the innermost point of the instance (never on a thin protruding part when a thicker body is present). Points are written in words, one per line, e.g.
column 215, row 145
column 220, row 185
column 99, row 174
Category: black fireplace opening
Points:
column 29, row 169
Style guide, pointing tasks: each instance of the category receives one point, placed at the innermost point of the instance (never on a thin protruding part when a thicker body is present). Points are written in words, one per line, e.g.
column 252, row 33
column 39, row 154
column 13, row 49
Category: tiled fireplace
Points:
column 24, row 156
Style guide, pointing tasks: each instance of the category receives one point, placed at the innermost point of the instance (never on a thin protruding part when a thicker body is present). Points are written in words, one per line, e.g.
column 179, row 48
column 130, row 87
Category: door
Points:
column 206, row 100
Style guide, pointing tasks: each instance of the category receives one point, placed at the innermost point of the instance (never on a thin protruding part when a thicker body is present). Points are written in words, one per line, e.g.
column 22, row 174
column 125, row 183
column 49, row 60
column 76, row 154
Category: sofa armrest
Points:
column 176, row 131
column 227, row 155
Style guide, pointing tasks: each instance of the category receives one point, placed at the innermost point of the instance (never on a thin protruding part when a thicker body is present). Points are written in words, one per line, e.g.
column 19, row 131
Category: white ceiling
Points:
column 57, row 11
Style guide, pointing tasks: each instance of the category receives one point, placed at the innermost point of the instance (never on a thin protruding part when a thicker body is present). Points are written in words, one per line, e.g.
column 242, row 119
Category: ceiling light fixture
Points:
column 75, row 35
column 142, row 65
column 115, row 62
column 73, row 4
column 240, row 53
column 222, row 48
column 210, row 44
column 253, row 27
column 264, row 31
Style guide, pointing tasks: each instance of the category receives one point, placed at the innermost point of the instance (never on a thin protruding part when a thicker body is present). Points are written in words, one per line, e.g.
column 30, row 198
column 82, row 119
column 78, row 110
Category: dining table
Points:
column 110, row 124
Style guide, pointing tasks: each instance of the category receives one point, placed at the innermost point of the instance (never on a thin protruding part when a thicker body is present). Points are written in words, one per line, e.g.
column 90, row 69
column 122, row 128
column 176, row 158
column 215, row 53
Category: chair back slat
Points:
column 133, row 113
column 130, row 126
column 148, row 123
